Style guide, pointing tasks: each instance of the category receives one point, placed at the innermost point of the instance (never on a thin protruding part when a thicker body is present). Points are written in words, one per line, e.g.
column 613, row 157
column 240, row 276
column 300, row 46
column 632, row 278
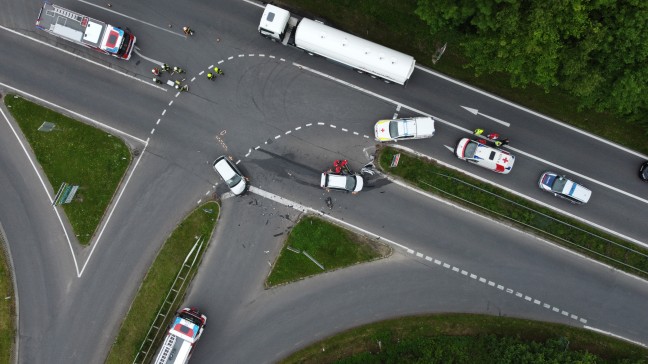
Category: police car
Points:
column 563, row 187
column 407, row 128
column 485, row 156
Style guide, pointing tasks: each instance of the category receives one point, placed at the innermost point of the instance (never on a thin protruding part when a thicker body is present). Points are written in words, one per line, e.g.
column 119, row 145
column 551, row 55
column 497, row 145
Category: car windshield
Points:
column 350, row 183
column 233, row 181
column 191, row 318
column 470, row 150
column 559, row 184
column 393, row 129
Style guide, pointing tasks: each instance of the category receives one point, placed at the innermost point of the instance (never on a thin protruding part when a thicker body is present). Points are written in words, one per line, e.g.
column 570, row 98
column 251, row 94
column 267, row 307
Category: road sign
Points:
column 395, row 160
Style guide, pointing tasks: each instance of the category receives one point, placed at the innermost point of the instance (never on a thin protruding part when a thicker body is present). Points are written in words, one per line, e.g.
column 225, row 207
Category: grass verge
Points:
column 7, row 306
column 159, row 280
column 330, row 245
column 467, row 338
column 505, row 206
column 78, row 154
column 394, row 24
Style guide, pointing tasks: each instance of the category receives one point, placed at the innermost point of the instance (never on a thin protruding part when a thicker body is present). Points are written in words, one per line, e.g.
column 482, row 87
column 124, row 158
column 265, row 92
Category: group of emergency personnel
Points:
column 158, row 71
column 495, row 138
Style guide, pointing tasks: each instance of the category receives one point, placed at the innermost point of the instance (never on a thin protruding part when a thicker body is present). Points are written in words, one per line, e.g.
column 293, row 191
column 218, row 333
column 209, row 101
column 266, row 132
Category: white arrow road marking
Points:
column 476, row 112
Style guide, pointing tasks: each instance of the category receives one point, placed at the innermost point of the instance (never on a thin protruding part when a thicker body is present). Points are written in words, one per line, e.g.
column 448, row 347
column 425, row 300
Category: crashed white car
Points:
column 342, row 182
column 403, row 129
column 483, row 155
column 232, row 176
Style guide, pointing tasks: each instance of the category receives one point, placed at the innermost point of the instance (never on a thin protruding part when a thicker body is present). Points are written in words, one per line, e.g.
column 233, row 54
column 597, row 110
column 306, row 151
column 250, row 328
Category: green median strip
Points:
column 466, row 338
column 7, row 305
column 497, row 203
column 77, row 154
column 158, row 282
column 316, row 246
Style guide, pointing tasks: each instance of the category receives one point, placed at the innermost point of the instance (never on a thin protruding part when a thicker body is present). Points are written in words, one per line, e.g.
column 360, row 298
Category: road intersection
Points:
column 285, row 116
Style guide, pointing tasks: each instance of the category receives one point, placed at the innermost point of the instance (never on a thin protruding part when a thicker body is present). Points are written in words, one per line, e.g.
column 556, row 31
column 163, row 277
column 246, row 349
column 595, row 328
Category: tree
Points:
column 596, row 50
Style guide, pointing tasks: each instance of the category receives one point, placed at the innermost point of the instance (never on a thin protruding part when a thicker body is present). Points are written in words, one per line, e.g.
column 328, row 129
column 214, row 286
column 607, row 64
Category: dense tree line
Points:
column 596, row 50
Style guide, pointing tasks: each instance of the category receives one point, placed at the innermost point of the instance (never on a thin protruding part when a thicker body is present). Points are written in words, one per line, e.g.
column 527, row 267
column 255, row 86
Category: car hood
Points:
column 359, row 183
column 381, row 130
column 240, row 187
column 577, row 191
column 424, row 127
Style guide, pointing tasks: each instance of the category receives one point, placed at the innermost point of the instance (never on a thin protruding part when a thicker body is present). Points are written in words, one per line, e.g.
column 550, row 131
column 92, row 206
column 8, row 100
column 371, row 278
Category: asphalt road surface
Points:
column 285, row 116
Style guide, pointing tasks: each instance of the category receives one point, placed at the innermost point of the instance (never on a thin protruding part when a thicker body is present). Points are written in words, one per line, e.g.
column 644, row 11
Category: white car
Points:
column 563, row 187
column 232, row 176
column 342, row 182
column 483, row 155
column 406, row 128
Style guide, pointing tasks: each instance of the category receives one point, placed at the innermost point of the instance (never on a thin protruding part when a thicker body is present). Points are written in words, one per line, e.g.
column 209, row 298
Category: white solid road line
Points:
column 465, row 130
column 146, row 82
column 135, row 19
column 535, row 113
column 95, row 244
column 300, row 207
column 358, row 88
column 603, row 228
column 615, row 335
column 420, row 255
column 40, row 178
column 255, row 3
column 93, row 121
column 579, row 175
column 67, row 237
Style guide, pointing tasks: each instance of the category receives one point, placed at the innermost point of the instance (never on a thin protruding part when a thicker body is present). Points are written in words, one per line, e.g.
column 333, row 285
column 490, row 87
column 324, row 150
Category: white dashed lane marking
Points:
column 498, row 286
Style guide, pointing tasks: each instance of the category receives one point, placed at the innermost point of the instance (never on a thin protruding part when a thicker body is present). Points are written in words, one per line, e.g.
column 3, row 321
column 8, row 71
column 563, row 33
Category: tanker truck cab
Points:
column 274, row 22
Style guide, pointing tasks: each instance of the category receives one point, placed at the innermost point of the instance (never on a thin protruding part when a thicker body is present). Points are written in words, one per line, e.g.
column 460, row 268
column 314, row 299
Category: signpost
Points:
column 395, row 160
column 65, row 194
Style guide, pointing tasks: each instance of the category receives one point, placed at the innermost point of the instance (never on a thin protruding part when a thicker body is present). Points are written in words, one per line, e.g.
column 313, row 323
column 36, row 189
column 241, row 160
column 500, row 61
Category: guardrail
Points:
column 168, row 305
column 583, row 239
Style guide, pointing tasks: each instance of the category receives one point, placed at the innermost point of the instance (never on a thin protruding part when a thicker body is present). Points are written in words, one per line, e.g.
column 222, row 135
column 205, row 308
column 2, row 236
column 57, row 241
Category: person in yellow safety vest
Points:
column 218, row 71
column 478, row 131
column 210, row 76
column 177, row 85
column 177, row 69
column 165, row 67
